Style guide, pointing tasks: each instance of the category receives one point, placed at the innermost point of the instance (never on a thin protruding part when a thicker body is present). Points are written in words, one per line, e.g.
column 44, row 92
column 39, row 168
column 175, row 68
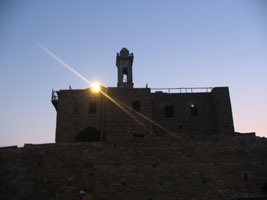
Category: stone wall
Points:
column 73, row 113
column 222, row 110
column 214, row 114
column 125, row 123
column 156, row 168
column 183, row 122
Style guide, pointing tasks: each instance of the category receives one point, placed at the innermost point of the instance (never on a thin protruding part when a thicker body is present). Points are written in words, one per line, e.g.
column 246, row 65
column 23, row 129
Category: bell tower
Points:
column 124, row 62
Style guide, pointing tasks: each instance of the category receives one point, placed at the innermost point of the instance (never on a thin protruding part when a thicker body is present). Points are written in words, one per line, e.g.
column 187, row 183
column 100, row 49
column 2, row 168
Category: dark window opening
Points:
column 169, row 111
column 204, row 182
column 154, row 165
column 140, row 135
column 116, row 164
column 136, row 106
column 88, row 134
column 125, row 71
column 194, row 109
column 92, row 107
column 264, row 188
column 245, row 177
column 91, row 174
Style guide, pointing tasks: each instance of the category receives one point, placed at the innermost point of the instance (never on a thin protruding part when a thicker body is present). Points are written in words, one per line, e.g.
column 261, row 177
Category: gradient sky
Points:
column 175, row 44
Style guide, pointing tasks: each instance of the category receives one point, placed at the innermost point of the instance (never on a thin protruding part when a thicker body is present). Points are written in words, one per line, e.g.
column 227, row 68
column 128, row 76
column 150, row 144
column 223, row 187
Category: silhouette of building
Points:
column 124, row 112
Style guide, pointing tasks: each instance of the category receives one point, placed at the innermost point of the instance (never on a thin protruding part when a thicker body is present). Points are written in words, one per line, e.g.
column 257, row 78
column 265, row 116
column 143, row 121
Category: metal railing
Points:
column 183, row 90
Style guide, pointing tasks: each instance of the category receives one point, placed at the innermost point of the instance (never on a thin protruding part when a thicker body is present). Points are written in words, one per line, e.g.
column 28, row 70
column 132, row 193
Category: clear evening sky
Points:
column 175, row 44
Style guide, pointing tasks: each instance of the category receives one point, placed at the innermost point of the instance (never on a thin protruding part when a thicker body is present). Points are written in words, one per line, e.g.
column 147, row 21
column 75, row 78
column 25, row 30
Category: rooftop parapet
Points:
column 183, row 90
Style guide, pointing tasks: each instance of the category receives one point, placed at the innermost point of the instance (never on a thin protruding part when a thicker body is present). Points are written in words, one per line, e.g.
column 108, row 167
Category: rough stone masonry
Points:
column 165, row 167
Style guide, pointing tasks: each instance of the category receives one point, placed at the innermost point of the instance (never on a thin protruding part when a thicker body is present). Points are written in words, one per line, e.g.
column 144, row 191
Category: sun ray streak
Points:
column 62, row 62
column 142, row 115
column 126, row 111
column 113, row 100
column 88, row 82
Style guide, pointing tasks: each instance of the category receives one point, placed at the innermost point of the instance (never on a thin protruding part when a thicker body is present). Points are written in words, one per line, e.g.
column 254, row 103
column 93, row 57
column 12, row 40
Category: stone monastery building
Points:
column 125, row 112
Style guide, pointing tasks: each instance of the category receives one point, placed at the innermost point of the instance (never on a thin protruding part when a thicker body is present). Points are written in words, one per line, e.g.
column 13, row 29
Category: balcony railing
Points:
column 183, row 90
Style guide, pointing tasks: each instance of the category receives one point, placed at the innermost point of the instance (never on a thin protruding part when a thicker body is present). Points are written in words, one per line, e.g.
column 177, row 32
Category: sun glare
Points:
column 95, row 86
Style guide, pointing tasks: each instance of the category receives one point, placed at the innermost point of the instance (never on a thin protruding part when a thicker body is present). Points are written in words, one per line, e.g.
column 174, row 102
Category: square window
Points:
column 136, row 106
column 169, row 111
column 92, row 107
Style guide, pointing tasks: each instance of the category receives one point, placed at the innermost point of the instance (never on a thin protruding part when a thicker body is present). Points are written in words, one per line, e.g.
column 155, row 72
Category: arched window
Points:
column 89, row 134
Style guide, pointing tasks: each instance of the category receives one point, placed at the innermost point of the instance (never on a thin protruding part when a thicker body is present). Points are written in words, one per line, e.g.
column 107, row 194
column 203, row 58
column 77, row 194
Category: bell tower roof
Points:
column 124, row 52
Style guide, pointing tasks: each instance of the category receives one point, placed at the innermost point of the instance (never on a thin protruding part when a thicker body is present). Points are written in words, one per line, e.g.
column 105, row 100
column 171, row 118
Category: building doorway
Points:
column 88, row 134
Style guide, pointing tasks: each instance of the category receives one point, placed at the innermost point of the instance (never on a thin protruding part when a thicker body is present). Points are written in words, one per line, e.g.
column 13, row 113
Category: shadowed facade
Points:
column 182, row 111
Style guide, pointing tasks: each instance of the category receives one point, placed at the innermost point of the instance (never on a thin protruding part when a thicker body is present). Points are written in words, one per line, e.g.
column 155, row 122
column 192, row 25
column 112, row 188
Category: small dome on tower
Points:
column 124, row 52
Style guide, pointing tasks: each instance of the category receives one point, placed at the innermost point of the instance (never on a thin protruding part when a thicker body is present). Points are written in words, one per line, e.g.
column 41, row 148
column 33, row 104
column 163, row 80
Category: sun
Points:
column 95, row 87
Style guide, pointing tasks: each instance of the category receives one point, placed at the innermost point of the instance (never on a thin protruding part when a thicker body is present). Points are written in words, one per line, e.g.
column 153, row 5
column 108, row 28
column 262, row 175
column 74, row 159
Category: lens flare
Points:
column 95, row 87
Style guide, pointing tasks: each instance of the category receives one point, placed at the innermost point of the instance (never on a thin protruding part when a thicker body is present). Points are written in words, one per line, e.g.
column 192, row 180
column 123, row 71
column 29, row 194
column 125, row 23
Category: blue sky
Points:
column 175, row 43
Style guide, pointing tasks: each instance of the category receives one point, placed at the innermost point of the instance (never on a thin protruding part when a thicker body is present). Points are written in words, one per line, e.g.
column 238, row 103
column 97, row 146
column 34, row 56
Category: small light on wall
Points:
column 194, row 109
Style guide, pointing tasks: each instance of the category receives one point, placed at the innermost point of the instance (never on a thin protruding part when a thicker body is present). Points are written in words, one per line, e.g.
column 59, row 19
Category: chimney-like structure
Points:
column 124, row 62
